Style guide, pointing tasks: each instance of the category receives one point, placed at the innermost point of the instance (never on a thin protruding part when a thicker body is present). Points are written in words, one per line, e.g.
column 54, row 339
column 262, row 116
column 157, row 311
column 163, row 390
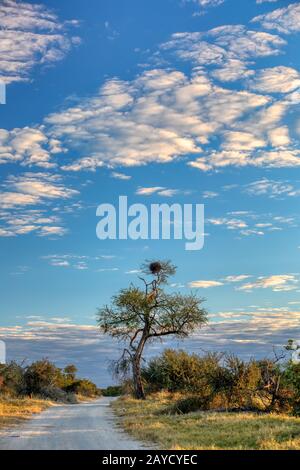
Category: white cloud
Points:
column 148, row 191
column 164, row 192
column 278, row 283
column 278, row 79
column 253, row 224
column 241, row 141
column 272, row 189
column 36, row 187
column 237, row 278
column 120, row 176
column 202, row 284
column 279, row 137
column 209, row 194
column 285, row 20
column 224, row 44
column 30, row 35
column 29, row 146
column 231, row 224
column 164, row 115
column 207, row 3
column 24, row 192
column 278, row 158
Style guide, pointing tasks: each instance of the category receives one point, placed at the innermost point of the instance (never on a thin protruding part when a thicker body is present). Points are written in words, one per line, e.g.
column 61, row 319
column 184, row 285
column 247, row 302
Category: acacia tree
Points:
column 137, row 316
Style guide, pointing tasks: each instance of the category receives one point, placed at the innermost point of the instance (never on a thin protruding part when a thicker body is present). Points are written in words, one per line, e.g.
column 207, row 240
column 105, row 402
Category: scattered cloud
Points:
column 252, row 224
column 164, row 192
column 204, row 284
column 79, row 262
column 278, row 79
column 205, row 4
column 272, row 189
column 237, row 278
column 221, row 45
column 209, row 194
column 278, row 283
column 285, row 20
column 21, row 193
column 28, row 146
column 266, row 1
column 120, row 176
column 30, row 35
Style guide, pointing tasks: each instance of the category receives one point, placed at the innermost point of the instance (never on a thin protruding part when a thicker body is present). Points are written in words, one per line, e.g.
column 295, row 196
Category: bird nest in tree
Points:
column 155, row 267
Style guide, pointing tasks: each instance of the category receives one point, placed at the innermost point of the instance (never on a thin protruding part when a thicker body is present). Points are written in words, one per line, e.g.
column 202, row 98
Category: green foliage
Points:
column 84, row 387
column 292, row 379
column 41, row 375
column 112, row 391
column 12, row 381
column 220, row 381
column 237, row 381
column 42, row 378
column 180, row 371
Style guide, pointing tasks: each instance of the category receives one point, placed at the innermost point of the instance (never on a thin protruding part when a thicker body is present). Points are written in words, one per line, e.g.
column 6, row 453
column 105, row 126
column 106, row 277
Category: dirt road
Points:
column 85, row 426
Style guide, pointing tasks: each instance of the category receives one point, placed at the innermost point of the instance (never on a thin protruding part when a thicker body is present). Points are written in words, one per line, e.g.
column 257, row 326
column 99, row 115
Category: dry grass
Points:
column 206, row 430
column 14, row 410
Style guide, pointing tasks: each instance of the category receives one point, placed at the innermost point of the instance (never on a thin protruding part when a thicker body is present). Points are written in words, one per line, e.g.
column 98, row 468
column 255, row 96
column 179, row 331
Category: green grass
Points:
column 205, row 430
column 15, row 410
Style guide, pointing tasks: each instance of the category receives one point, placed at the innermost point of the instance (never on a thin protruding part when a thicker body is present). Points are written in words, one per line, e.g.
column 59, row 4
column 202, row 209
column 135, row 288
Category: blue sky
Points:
column 186, row 101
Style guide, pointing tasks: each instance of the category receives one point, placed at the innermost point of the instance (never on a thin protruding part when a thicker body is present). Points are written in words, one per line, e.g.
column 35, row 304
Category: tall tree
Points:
column 137, row 316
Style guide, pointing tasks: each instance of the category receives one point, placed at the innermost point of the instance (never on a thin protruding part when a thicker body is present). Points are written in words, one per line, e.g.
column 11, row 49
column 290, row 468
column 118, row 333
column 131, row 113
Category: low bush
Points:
column 84, row 388
column 112, row 391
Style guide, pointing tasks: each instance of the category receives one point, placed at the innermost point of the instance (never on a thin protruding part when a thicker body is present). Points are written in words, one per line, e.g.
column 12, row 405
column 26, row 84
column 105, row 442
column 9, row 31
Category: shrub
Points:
column 84, row 387
column 180, row 371
column 188, row 404
column 57, row 394
column 112, row 391
column 217, row 381
column 292, row 380
column 12, row 381
column 237, row 381
column 40, row 375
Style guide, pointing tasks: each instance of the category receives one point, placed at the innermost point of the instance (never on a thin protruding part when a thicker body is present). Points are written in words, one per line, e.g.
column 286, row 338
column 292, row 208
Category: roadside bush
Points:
column 57, row 394
column 43, row 379
column 112, row 391
column 237, row 382
column 224, row 382
column 292, row 381
column 12, row 381
column 40, row 375
column 84, row 388
column 188, row 404
column 180, row 371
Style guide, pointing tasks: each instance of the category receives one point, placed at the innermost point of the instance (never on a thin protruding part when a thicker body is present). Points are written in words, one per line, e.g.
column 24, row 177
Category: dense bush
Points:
column 112, row 391
column 41, row 375
column 292, row 382
column 12, row 382
column 220, row 381
column 180, row 371
column 83, row 387
column 43, row 378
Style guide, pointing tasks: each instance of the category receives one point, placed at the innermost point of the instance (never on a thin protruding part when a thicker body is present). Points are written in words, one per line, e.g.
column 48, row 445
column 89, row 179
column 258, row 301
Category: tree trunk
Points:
column 137, row 379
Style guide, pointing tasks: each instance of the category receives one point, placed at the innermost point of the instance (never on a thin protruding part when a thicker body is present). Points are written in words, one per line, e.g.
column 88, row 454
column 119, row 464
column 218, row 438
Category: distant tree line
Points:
column 44, row 379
